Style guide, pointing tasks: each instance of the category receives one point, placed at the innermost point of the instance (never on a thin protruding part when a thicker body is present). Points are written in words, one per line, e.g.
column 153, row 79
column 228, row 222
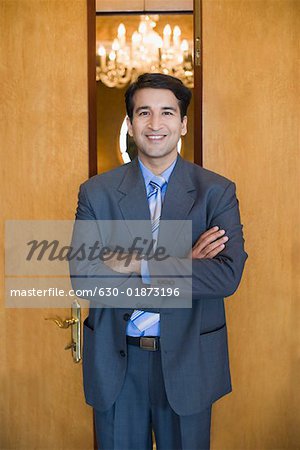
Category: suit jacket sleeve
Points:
column 91, row 274
column 219, row 276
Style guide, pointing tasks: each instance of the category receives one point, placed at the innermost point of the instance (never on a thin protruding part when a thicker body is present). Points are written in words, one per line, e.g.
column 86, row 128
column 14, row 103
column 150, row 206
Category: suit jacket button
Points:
column 122, row 353
column 126, row 317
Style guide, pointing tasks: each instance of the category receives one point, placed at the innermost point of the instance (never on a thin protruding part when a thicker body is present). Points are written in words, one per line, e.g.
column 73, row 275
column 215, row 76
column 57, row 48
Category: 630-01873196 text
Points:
column 140, row 292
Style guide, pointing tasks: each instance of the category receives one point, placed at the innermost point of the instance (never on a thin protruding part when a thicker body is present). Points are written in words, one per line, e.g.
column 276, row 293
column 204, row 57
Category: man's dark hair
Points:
column 159, row 81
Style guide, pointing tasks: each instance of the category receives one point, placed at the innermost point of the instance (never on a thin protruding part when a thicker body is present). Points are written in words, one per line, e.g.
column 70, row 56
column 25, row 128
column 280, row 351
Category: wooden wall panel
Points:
column 169, row 5
column 143, row 5
column 119, row 5
column 251, row 135
column 43, row 159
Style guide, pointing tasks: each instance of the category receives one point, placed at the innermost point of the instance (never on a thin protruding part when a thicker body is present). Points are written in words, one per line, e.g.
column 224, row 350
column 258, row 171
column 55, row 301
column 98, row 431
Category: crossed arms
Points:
column 217, row 257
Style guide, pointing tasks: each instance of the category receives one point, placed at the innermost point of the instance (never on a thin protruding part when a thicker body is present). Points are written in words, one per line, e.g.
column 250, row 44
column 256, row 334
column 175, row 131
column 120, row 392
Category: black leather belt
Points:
column 150, row 343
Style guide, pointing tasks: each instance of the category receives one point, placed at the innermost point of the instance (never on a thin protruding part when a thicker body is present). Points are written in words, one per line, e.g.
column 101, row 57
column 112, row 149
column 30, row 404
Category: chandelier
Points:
column 120, row 62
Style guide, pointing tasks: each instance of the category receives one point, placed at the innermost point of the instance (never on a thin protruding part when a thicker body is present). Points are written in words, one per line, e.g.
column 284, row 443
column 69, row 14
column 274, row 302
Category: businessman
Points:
column 161, row 369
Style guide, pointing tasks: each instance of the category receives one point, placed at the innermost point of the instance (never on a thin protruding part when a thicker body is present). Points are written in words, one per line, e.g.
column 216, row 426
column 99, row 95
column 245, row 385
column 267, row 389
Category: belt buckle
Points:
column 148, row 343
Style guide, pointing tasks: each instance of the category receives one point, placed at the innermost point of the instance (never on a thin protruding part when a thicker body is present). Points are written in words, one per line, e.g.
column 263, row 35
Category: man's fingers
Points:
column 215, row 251
column 208, row 237
column 208, row 232
column 202, row 252
column 209, row 248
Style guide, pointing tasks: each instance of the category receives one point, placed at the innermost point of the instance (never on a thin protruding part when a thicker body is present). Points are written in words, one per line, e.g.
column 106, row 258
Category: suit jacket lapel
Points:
column 134, row 204
column 179, row 199
column 178, row 202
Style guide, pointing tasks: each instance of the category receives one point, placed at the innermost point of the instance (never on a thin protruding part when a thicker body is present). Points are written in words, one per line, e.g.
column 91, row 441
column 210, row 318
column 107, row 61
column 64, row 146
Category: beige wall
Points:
column 43, row 158
column 251, row 123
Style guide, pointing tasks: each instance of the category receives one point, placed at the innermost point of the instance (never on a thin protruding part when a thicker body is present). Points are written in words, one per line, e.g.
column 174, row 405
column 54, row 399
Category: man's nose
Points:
column 155, row 122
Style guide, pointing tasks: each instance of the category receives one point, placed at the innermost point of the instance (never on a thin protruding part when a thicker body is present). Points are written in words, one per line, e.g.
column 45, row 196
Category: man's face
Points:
column 156, row 126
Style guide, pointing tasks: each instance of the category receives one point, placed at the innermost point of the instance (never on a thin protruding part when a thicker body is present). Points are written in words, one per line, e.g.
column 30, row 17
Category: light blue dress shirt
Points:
column 132, row 330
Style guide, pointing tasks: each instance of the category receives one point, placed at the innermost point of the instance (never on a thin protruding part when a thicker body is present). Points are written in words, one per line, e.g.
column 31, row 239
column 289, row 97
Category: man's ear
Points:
column 129, row 126
column 184, row 126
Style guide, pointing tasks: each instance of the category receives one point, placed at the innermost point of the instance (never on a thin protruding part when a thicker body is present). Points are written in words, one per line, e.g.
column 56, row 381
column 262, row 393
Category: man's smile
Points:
column 155, row 137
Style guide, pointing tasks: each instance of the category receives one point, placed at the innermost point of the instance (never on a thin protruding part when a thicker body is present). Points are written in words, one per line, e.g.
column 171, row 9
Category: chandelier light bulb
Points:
column 176, row 31
column 167, row 35
column 167, row 30
column 184, row 45
column 112, row 55
column 142, row 27
column 101, row 51
column 136, row 38
column 115, row 45
column 121, row 30
column 176, row 36
column 122, row 34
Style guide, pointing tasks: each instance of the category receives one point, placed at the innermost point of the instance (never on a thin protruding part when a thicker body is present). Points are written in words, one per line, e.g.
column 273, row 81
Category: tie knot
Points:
column 157, row 182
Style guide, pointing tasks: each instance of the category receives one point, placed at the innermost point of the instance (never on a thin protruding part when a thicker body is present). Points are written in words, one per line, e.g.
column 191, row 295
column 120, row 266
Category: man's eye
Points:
column 143, row 113
column 168, row 113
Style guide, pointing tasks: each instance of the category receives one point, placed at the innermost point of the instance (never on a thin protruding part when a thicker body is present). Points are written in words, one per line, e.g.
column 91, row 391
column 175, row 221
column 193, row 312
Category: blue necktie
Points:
column 145, row 323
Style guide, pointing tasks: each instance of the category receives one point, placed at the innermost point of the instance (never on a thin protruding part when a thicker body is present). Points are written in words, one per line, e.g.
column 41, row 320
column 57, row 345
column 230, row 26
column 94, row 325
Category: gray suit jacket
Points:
column 193, row 340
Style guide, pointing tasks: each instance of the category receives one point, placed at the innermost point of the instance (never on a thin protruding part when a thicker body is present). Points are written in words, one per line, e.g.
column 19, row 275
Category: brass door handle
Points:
column 62, row 323
column 75, row 323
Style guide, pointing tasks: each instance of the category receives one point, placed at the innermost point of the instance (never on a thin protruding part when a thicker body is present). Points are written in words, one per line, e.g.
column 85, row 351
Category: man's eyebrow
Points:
column 170, row 108
column 142, row 107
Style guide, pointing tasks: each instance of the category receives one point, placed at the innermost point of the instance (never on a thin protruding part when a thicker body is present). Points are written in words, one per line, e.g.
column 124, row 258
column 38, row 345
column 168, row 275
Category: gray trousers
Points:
column 142, row 406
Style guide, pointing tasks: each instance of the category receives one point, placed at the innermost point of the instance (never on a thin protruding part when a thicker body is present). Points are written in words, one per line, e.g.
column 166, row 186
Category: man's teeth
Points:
column 156, row 137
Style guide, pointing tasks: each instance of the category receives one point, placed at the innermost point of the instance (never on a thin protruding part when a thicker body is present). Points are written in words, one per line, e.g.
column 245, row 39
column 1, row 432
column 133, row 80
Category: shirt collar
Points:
column 148, row 175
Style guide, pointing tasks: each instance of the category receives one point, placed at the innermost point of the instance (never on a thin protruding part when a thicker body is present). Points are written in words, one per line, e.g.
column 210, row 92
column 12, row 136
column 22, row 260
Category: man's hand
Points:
column 124, row 263
column 209, row 244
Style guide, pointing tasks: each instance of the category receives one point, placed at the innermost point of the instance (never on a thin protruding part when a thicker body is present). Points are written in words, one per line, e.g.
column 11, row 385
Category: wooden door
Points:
column 44, row 158
column 251, row 135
